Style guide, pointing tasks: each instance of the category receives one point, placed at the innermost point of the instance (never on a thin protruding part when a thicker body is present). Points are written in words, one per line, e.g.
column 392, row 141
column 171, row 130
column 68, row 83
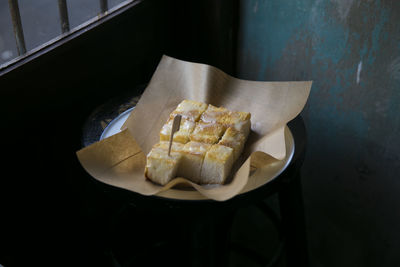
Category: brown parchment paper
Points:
column 120, row 159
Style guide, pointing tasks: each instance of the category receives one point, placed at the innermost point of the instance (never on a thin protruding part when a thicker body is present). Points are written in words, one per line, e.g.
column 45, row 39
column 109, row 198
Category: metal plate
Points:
column 115, row 125
column 274, row 169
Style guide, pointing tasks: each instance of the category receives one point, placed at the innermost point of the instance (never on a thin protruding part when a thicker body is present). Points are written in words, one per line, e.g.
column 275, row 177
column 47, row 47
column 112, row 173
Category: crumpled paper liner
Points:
column 120, row 159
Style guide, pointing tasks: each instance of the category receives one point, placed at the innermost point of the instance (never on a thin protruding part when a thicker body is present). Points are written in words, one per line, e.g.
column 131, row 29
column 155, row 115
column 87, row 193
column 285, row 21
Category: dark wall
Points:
column 205, row 32
column 351, row 50
column 44, row 105
column 46, row 199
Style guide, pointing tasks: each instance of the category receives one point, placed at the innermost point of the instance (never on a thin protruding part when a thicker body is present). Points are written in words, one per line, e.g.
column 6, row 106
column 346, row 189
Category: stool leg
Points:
column 222, row 239
column 210, row 239
column 201, row 244
column 293, row 222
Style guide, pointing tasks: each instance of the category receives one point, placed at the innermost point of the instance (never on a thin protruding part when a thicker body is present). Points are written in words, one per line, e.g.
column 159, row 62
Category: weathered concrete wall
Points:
column 351, row 50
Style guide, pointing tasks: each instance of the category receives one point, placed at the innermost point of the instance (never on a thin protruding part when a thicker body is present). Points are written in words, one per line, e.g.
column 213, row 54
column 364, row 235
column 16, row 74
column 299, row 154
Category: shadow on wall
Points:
column 351, row 50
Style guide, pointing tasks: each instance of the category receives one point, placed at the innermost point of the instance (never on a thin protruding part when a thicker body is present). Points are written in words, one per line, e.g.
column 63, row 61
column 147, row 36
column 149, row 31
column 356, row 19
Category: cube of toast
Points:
column 238, row 119
column 234, row 139
column 190, row 110
column 182, row 136
column 217, row 164
column 176, row 147
column 208, row 133
column 193, row 154
column 214, row 114
column 161, row 167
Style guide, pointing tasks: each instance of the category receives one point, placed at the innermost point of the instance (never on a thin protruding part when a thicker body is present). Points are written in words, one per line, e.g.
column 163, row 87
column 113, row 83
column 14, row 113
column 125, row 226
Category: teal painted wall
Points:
column 351, row 50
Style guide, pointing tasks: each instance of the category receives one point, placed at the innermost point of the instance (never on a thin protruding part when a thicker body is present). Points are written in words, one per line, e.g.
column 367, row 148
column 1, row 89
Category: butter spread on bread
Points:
column 181, row 136
column 161, row 167
column 193, row 154
column 190, row 110
column 208, row 133
column 217, row 165
column 234, row 139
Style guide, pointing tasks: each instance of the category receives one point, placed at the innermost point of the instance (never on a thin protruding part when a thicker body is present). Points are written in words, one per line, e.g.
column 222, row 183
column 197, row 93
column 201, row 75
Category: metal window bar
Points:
column 62, row 4
column 103, row 6
column 17, row 26
column 62, row 7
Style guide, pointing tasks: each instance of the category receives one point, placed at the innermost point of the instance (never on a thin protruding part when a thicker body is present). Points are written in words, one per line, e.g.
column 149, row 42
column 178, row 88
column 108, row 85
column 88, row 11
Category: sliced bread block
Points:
column 238, row 119
column 217, row 164
column 189, row 110
column 208, row 133
column 214, row 114
column 181, row 136
column 235, row 140
column 161, row 167
column 193, row 154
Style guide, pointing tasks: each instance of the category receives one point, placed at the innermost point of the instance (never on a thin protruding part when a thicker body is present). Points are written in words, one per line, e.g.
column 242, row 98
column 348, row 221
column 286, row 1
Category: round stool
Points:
column 192, row 232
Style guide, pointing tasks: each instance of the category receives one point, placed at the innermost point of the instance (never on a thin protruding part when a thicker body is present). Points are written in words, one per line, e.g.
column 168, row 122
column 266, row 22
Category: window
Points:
column 26, row 25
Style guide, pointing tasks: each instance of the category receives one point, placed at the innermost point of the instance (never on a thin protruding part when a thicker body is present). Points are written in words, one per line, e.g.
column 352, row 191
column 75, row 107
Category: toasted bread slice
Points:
column 217, row 164
column 176, row 146
column 238, row 119
column 181, row 136
column 189, row 110
column 193, row 154
column 161, row 168
column 235, row 140
column 215, row 114
column 208, row 133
